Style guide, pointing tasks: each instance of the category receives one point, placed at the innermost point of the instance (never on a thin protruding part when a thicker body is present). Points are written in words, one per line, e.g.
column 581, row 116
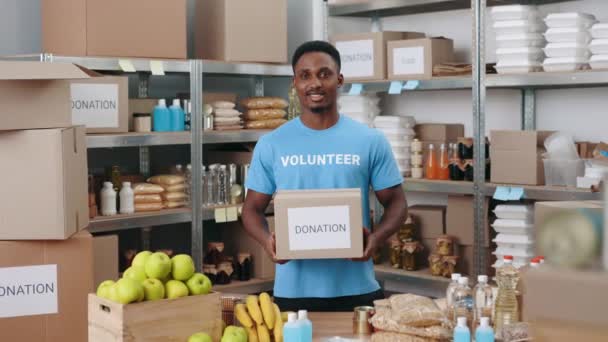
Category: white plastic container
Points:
column 568, row 35
column 518, row 67
column 573, row 49
column 515, row 252
column 397, row 131
column 518, row 26
column 515, row 212
column 599, row 62
column 560, row 172
column 400, row 143
column 517, row 54
column 403, row 158
column 512, row 227
column 520, row 40
column 383, row 121
column 599, row 47
column 513, row 12
column 514, row 239
column 127, row 199
column 599, row 30
column 563, row 64
column 560, row 145
column 401, row 150
column 108, row 199
column 572, row 19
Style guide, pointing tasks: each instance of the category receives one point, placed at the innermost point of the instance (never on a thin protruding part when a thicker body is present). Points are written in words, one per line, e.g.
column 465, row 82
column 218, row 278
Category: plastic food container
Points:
column 599, row 47
column 519, row 252
column 565, row 64
column 567, row 50
column 568, row 35
column 563, row 172
column 514, row 212
column 560, row 145
column 599, row 62
column 518, row 27
column 518, row 67
column 524, row 240
column 401, row 150
column 394, row 121
column 573, row 19
column 518, row 54
column 512, row 227
column 400, row 143
column 513, row 12
column 520, row 40
column 397, row 131
column 599, row 30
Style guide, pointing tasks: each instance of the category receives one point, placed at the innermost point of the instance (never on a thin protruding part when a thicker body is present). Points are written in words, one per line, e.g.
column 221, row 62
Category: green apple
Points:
column 175, row 289
column 234, row 334
column 199, row 284
column 158, row 265
column 103, row 290
column 153, row 289
column 200, row 337
column 140, row 259
column 136, row 273
column 113, row 293
column 128, row 290
column 242, row 333
column 182, row 267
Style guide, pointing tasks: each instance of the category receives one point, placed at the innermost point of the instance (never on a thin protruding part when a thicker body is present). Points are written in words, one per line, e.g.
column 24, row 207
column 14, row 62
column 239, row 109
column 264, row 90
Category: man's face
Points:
column 317, row 79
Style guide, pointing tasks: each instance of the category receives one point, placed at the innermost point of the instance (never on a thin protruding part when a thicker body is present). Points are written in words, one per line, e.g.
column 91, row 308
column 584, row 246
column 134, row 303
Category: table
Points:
column 329, row 324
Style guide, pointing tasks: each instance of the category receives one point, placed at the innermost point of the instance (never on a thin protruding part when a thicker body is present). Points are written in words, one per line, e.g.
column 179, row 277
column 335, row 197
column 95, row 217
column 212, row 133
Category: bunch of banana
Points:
column 262, row 319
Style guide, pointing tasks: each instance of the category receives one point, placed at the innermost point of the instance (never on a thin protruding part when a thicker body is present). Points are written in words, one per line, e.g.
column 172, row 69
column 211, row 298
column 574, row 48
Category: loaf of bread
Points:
column 265, row 124
column 264, row 103
column 265, row 114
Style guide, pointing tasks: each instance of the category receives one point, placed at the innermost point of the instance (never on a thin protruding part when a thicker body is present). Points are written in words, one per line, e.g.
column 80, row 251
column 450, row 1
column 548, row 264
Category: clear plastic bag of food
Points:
column 175, row 187
column 147, row 198
column 223, row 105
column 264, row 102
column 415, row 311
column 386, row 320
column 265, row 124
column 226, row 113
column 142, row 207
column 174, row 204
column 173, row 196
column 147, row 188
column 166, row 179
column 265, row 114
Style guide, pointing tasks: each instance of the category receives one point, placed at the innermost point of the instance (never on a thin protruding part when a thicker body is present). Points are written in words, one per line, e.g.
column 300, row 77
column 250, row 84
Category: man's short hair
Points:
column 316, row 46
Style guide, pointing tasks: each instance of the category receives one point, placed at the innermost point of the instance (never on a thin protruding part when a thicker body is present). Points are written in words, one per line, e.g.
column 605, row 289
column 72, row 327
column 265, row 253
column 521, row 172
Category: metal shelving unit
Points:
column 101, row 224
column 133, row 139
column 246, row 287
column 420, row 282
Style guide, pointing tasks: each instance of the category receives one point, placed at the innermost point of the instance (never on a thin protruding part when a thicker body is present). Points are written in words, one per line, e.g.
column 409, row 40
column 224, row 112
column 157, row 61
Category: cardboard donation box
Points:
column 517, row 157
column 363, row 55
column 155, row 321
column 43, row 289
column 414, row 59
column 242, row 31
column 44, row 195
column 318, row 224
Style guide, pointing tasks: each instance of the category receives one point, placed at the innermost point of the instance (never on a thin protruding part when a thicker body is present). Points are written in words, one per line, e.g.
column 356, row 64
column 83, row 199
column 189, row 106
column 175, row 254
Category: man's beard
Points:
column 320, row 110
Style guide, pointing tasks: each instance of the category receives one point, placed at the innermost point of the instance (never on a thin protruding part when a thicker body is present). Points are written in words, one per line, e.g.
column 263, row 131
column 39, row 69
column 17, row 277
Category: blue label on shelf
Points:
column 355, row 89
column 395, row 88
column 516, row 194
column 502, row 193
column 411, row 85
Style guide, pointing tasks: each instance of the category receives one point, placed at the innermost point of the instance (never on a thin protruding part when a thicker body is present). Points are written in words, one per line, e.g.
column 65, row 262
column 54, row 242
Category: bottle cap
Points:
column 189, row 167
column 442, row 146
column 484, row 322
column 462, row 321
column 292, row 317
column 455, row 276
column 431, row 146
column 508, row 259
column 176, row 102
column 482, row 279
column 302, row 314
column 126, row 184
column 463, row 281
column 541, row 259
column 162, row 103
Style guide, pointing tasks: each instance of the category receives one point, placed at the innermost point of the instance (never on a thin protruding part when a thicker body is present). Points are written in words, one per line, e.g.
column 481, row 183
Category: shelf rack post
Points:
column 479, row 99
column 528, row 109
column 196, row 160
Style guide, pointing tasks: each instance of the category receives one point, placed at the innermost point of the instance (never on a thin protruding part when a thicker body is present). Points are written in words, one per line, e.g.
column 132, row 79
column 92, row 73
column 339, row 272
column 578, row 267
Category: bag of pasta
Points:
column 265, row 124
column 265, row 114
column 147, row 188
column 166, row 179
column 264, row 102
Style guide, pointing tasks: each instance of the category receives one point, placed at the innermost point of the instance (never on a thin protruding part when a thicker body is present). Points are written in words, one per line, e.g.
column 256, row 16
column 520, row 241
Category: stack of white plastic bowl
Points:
column 519, row 38
column 599, row 46
column 362, row 108
column 514, row 225
column 568, row 37
column 399, row 131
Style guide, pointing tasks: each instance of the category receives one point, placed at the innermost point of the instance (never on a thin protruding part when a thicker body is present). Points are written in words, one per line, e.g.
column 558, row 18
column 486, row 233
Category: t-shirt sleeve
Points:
column 384, row 171
column 261, row 175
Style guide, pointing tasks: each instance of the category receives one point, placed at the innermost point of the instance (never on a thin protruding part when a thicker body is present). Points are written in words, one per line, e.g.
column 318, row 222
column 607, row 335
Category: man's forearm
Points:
column 391, row 221
column 256, row 225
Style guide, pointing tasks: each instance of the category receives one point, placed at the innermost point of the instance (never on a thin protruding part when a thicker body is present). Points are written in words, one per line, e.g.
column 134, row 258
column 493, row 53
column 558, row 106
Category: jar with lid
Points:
column 142, row 122
column 408, row 255
column 444, row 245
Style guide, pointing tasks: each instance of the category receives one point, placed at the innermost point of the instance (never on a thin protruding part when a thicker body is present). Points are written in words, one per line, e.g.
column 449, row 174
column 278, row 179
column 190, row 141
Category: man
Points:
column 328, row 284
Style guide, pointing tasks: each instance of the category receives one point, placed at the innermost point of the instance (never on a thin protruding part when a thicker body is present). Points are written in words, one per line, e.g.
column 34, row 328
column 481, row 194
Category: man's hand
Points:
column 271, row 248
column 370, row 245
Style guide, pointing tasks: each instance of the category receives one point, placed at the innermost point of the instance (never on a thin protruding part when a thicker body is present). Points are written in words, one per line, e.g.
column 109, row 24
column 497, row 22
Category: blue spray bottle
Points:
column 305, row 325
column 161, row 117
column 178, row 117
column 292, row 329
column 461, row 332
column 484, row 333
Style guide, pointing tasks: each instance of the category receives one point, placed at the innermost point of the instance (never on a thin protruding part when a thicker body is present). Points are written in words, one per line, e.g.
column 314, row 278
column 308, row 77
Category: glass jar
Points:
column 444, row 245
column 395, row 254
column 449, row 265
column 436, row 264
column 142, row 122
column 408, row 255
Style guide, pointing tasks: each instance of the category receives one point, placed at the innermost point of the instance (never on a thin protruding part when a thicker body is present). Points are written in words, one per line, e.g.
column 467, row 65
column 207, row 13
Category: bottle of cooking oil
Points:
column 506, row 308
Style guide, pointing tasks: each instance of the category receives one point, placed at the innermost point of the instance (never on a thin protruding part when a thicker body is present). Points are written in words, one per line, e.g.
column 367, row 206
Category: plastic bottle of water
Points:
column 450, row 294
column 506, row 308
column 484, row 299
column 463, row 302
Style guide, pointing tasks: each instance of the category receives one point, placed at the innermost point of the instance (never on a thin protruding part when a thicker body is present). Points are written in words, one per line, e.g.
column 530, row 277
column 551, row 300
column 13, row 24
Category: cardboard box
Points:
column 429, row 220
column 228, row 157
column 105, row 258
column 318, row 224
column 363, row 55
column 438, row 132
column 238, row 241
column 569, row 296
column 55, row 307
column 45, row 194
column 460, row 220
column 242, row 31
column 106, row 28
column 414, row 59
column 159, row 320
column 517, row 157
column 37, row 95
column 101, row 104
column 567, row 331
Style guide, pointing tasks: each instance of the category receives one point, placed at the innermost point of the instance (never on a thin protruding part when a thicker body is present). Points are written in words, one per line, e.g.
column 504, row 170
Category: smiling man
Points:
column 323, row 150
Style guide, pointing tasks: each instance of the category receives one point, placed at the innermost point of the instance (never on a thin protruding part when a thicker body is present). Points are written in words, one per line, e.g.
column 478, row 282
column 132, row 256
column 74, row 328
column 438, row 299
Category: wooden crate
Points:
column 162, row 320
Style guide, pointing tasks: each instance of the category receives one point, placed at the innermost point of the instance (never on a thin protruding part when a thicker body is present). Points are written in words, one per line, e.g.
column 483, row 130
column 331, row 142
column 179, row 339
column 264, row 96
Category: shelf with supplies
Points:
column 102, row 224
column 228, row 213
column 246, row 287
column 420, row 282
column 438, row 186
column 134, row 139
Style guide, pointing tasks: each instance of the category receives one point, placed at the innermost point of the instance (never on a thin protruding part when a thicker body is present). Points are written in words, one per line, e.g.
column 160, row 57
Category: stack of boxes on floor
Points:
column 568, row 37
column 48, row 261
column 599, row 46
column 399, row 133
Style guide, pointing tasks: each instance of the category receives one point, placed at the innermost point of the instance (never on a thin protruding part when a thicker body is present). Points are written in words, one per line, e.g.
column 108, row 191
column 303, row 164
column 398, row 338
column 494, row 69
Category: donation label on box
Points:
column 95, row 105
column 28, row 291
column 357, row 57
column 314, row 228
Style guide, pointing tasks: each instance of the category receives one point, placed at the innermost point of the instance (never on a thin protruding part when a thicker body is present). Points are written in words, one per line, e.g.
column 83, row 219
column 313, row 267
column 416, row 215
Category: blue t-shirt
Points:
column 346, row 155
